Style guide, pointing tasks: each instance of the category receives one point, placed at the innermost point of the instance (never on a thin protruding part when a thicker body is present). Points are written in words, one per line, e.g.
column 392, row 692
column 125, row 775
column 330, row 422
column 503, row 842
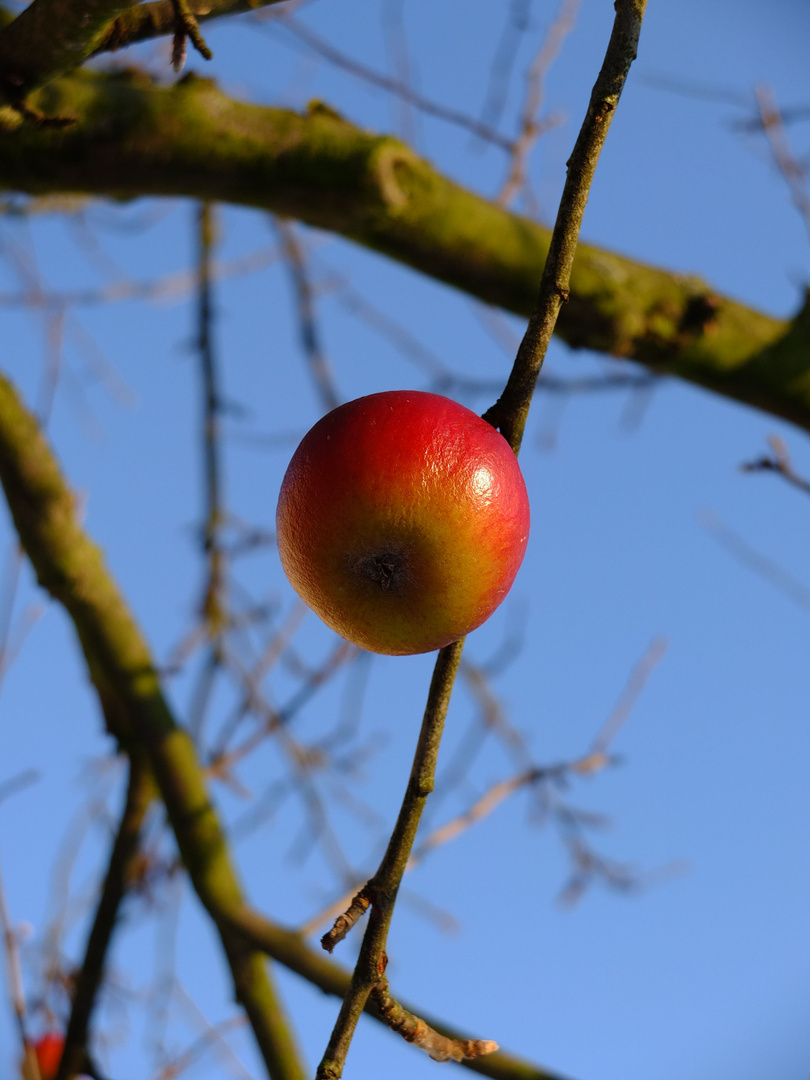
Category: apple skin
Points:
column 402, row 521
column 48, row 1049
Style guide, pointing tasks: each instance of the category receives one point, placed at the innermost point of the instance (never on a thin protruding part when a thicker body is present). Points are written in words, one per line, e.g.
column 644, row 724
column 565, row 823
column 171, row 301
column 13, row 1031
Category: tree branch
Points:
column 72, row 570
column 511, row 410
column 50, row 38
column 383, row 887
column 133, row 138
column 156, row 19
column 290, row 949
column 509, row 414
column 140, row 792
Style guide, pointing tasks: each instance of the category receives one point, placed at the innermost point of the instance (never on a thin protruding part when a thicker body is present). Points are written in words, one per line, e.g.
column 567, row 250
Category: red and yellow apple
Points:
column 402, row 521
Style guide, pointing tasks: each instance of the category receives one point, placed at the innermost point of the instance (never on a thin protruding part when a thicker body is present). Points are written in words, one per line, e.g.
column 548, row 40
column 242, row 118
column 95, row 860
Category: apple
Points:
column 402, row 521
column 48, row 1051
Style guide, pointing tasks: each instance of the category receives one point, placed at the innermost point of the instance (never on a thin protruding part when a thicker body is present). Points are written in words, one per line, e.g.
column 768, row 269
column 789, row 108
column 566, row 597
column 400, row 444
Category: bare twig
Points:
column 214, row 604
column 531, row 127
column 509, row 414
column 140, row 793
column 766, row 568
column 517, row 24
column 319, row 367
column 393, row 86
column 627, row 700
column 168, row 287
column 186, row 26
column 383, row 886
column 780, row 464
column 511, row 410
column 794, row 174
column 416, row 1031
column 15, row 982
column 344, row 922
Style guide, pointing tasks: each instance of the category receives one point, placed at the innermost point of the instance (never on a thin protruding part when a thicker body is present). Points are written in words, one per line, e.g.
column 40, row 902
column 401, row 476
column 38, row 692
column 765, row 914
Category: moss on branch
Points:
column 134, row 138
column 49, row 38
column 72, row 569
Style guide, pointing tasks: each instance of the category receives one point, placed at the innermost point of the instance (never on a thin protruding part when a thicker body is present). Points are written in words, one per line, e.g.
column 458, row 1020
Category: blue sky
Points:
column 705, row 972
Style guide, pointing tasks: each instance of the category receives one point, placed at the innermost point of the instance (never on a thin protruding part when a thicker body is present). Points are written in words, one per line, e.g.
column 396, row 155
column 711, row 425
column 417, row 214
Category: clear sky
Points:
column 705, row 972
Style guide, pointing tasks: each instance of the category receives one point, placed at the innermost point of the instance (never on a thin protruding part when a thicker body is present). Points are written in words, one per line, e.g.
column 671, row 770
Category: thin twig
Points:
column 140, row 793
column 416, row 1031
column 510, row 412
column 766, row 568
column 393, row 86
column 186, row 26
column 627, row 700
column 780, row 464
column 295, row 259
column 15, row 981
column 531, row 127
column 794, row 174
column 383, row 886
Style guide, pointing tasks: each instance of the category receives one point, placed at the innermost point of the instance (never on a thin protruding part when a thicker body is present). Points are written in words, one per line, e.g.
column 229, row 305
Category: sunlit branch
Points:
column 511, row 410
column 142, row 22
column 289, row 948
column 382, row 888
column 509, row 415
column 139, row 139
column 72, row 569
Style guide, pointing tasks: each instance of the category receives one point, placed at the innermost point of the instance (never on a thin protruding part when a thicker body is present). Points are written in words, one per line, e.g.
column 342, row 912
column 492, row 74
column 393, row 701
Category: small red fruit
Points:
column 48, row 1049
column 402, row 521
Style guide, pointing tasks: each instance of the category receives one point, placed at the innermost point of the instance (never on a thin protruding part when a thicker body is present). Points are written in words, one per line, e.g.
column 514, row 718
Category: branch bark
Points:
column 52, row 37
column 71, row 568
column 509, row 414
column 134, row 138
column 140, row 792
column 290, row 949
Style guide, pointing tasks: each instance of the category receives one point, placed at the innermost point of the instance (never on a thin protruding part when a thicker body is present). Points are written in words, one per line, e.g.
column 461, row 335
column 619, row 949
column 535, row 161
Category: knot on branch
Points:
column 390, row 165
column 414, row 1030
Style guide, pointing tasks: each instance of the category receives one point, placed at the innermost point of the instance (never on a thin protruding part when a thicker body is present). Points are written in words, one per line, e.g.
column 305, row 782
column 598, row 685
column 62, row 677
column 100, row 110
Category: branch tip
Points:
column 343, row 923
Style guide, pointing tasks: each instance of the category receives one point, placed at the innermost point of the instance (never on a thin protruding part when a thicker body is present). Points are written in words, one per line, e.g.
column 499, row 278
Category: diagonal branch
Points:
column 52, row 37
column 290, row 949
column 142, row 22
column 140, row 792
column 512, row 408
column 71, row 568
column 383, row 887
column 134, row 138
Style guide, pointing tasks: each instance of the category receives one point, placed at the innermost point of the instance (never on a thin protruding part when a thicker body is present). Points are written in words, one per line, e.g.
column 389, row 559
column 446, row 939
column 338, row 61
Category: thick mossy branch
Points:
column 53, row 37
column 71, row 568
column 144, row 21
column 134, row 138
column 50, row 38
